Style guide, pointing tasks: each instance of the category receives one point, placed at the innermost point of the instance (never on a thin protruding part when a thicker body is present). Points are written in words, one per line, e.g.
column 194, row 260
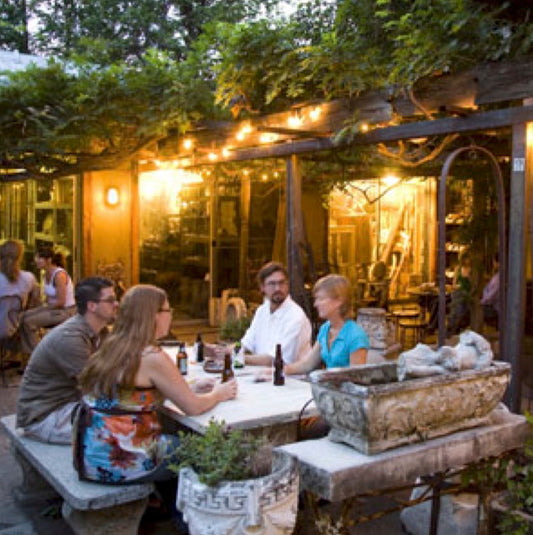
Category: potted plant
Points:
column 514, row 506
column 224, row 487
column 234, row 329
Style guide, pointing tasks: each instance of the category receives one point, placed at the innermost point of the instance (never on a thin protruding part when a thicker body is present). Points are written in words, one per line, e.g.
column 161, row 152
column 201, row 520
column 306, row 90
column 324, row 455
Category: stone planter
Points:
column 369, row 409
column 374, row 322
column 264, row 506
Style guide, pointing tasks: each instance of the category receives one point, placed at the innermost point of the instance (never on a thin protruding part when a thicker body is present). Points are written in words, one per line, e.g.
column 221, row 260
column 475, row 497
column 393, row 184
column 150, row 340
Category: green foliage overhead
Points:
column 142, row 70
column 372, row 44
column 67, row 118
column 119, row 29
column 13, row 33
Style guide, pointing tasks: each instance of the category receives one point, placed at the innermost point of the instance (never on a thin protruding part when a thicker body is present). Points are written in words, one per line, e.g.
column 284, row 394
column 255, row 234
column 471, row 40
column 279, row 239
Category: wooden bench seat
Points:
column 88, row 508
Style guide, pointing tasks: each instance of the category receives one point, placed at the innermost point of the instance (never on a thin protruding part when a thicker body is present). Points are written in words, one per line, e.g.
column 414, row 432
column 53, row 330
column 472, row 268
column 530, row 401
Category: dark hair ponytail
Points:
column 57, row 258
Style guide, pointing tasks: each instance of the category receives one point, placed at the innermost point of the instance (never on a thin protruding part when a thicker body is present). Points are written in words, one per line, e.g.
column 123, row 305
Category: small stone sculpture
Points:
column 473, row 352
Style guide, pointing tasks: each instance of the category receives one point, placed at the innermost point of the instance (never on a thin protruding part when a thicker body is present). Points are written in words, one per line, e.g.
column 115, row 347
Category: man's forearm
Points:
column 258, row 360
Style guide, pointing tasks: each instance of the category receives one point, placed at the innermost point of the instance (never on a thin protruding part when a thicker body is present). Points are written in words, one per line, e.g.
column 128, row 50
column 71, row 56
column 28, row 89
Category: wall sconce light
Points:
column 112, row 196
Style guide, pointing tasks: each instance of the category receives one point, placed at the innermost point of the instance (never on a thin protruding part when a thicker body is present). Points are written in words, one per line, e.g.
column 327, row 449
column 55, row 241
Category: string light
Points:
column 295, row 120
column 315, row 113
column 267, row 137
column 245, row 129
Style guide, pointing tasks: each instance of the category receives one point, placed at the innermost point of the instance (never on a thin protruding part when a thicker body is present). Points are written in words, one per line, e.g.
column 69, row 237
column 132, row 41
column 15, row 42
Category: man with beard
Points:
column 279, row 320
column 49, row 389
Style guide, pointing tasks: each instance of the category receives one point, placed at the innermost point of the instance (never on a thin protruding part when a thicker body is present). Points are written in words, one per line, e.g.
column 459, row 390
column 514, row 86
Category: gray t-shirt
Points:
column 25, row 287
column 50, row 380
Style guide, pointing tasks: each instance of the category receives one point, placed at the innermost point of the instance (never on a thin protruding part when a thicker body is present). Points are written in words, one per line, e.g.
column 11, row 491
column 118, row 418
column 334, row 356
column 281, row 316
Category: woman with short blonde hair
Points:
column 340, row 341
column 338, row 287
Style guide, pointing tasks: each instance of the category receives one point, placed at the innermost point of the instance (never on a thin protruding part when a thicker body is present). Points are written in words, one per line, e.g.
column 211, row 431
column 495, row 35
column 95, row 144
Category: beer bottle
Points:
column 227, row 372
column 182, row 360
column 199, row 348
column 279, row 376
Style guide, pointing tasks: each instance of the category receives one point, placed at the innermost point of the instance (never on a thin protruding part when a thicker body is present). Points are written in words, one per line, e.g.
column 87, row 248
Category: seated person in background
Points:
column 340, row 341
column 461, row 296
column 490, row 299
column 49, row 388
column 279, row 320
column 378, row 288
column 60, row 304
column 15, row 281
column 118, row 438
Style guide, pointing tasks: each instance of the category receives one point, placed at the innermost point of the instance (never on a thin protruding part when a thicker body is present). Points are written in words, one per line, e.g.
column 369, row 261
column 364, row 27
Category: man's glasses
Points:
column 274, row 284
column 111, row 299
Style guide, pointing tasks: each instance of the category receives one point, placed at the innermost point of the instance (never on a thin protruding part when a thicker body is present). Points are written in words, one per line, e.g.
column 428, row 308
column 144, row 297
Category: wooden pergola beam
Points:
column 293, row 132
column 488, row 120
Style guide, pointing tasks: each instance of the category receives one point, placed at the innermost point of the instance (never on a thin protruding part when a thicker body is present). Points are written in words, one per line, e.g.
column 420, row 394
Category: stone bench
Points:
column 338, row 472
column 88, row 508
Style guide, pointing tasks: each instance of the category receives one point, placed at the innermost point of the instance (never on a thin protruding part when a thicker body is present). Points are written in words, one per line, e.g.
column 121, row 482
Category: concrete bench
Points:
column 336, row 471
column 88, row 508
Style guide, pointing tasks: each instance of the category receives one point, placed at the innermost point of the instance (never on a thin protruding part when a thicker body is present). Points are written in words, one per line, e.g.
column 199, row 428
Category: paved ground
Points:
column 40, row 520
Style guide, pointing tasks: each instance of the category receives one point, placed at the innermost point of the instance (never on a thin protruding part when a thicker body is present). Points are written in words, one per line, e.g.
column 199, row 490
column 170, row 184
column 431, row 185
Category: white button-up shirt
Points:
column 287, row 325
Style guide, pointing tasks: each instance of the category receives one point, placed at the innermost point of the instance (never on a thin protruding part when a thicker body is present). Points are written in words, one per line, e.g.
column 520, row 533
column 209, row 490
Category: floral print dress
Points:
column 119, row 439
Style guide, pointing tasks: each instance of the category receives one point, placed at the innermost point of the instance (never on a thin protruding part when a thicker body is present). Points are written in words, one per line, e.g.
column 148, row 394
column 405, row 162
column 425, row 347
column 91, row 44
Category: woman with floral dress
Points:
column 118, row 438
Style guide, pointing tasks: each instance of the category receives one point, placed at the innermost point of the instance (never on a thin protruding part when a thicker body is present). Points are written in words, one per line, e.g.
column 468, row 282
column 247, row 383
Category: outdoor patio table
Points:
column 260, row 407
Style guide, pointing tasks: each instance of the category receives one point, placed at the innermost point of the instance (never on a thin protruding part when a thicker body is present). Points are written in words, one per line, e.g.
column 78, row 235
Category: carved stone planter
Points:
column 369, row 409
column 374, row 322
column 264, row 506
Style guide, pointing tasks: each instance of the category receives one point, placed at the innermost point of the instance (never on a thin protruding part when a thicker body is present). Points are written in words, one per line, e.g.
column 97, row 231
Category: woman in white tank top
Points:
column 60, row 304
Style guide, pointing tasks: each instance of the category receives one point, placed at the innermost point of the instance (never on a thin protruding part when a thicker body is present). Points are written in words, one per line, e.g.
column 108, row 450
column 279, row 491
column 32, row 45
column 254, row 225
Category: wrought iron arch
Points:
column 441, row 214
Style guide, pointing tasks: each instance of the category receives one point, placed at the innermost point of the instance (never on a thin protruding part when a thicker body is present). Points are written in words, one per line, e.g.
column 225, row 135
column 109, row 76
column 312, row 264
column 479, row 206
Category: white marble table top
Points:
column 336, row 471
column 258, row 404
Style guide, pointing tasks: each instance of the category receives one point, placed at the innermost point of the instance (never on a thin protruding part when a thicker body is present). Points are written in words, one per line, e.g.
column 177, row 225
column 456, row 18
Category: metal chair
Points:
column 11, row 309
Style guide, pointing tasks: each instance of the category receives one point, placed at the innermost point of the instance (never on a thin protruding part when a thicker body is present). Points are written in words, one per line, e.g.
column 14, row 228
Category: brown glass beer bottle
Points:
column 182, row 363
column 279, row 376
column 227, row 372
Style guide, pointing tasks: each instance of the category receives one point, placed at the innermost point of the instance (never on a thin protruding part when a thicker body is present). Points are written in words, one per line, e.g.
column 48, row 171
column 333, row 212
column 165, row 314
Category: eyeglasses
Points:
column 273, row 284
column 111, row 300
column 170, row 310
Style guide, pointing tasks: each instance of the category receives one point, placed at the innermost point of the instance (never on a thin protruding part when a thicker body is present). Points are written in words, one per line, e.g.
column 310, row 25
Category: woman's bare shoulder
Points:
column 152, row 351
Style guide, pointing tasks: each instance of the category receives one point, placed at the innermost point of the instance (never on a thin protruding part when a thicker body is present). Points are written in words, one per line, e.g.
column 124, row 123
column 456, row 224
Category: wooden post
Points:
column 295, row 233
column 213, row 244
column 516, row 281
column 245, row 226
column 134, row 276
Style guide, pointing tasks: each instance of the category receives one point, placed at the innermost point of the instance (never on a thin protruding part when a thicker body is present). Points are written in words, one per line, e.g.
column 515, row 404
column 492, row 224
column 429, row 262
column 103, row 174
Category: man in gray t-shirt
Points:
column 49, row 389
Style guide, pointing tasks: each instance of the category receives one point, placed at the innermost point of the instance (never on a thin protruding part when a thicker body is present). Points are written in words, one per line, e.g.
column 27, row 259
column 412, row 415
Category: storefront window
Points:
column 39, row 213
column 384, row 221
column 174, row 235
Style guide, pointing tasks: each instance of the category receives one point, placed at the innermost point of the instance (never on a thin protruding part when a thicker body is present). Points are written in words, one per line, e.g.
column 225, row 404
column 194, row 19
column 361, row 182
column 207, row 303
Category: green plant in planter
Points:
column 518, row 518
column 219, row 455
column 234, row 330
